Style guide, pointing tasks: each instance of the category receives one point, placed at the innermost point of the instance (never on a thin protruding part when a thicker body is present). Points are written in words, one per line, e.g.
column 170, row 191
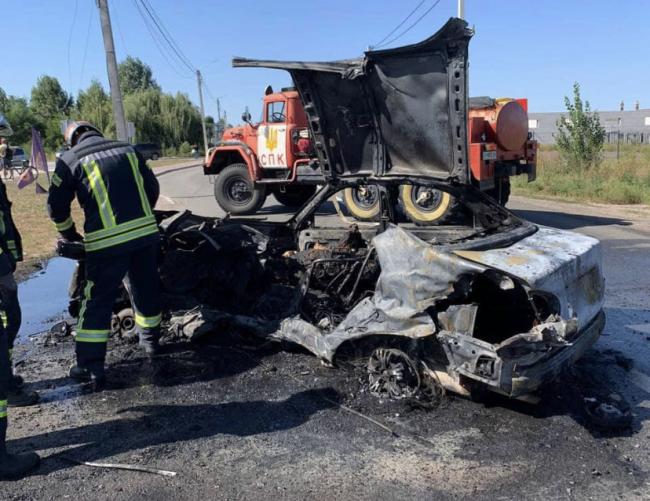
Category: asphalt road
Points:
column 262, row 423
column 624, row 232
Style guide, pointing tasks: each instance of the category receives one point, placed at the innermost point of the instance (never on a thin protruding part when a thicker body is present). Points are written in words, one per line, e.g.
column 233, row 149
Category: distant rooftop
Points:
column 633, row 125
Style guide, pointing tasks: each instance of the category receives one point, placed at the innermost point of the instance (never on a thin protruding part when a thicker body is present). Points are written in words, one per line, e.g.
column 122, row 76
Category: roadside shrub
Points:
column 170, row 151
column 185, row 149
column 580, row 137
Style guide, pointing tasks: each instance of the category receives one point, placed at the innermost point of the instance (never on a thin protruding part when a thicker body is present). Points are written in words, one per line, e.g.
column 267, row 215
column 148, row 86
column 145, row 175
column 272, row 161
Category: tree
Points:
column 49, row 105
column 49, row 99
column 17, row 112
column 3, row 100
column 94, row 105
column 580, row 136
column 163, row 118
column 143, row 109
column 135, row 76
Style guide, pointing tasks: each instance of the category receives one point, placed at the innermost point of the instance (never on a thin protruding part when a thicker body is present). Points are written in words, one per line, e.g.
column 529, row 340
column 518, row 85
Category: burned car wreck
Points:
column 490, row 300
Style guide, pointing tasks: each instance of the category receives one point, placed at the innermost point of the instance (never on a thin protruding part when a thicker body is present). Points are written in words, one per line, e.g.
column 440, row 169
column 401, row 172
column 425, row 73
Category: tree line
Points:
column 170, row 120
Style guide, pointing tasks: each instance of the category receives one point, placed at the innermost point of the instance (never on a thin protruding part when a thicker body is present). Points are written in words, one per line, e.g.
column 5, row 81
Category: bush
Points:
column 170, row 151
column 185, row 149
column 580, row 137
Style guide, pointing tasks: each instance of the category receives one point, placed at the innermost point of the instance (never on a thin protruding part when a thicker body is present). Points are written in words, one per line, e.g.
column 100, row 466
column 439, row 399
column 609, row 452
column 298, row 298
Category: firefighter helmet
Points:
column 76, row 129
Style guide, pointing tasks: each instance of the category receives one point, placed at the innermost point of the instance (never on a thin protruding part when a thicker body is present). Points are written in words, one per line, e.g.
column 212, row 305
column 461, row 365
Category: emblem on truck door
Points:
column 271, row 145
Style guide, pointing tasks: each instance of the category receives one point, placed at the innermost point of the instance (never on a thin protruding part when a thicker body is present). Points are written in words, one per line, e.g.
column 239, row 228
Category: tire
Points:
column 294, row 196
column 440, row 208
column 235, row 192
column 154, row 156
column 362, row 202
column 502, row 196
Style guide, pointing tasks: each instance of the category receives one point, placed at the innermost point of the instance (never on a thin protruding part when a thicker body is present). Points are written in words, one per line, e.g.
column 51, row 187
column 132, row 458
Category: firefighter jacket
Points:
column 116, row 190
column 11, row 248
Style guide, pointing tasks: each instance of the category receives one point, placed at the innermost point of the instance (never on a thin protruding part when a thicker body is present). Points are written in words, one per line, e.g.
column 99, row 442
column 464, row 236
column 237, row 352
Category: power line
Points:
column 167, row 56
column 171, row 38
column 414, row 24
column 74, row 20
column 83, row 59
column 119, row 30
column 183, row 59
column 378, row 44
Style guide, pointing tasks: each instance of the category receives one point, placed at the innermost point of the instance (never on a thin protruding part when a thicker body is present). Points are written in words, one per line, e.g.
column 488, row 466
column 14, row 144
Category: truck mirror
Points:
column 246, row 117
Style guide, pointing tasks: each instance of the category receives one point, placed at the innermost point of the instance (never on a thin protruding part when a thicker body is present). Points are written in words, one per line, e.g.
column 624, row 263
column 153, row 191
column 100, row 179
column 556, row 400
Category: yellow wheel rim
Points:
column 362, row 213
column 417, row 214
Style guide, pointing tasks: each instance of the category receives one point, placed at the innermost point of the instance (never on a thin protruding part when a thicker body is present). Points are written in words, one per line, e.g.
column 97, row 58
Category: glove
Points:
column 71, row 250
column 72, row 235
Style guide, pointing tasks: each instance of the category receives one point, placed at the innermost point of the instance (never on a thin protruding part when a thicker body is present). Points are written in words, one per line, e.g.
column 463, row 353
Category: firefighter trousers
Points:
column 104, row 276
column 10, row 313
column 5, row 374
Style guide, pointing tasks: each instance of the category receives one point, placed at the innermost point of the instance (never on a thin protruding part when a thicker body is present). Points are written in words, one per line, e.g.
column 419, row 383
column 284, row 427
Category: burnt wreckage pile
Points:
column 412, row 309
column 220, row 275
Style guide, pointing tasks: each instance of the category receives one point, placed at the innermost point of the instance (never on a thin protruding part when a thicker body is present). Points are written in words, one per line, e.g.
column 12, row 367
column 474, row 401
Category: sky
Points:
column 521, row 48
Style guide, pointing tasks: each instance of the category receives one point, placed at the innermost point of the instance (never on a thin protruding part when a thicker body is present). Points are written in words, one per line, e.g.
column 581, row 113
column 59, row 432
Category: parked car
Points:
column 150, row 151
column 19, row 158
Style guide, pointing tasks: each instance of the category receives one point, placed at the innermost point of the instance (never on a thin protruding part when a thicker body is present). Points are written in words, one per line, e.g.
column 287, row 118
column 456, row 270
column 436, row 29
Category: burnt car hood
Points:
column 400, row 111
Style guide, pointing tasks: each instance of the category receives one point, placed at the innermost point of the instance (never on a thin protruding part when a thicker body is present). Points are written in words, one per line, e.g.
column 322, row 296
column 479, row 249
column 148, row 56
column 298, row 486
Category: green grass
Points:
column 625, row 180
column 38, row 232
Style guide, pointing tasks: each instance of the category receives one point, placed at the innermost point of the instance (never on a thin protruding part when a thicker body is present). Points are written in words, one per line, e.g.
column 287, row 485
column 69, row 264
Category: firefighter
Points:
column 11, row 252
column 117, row 192
column 11, row 465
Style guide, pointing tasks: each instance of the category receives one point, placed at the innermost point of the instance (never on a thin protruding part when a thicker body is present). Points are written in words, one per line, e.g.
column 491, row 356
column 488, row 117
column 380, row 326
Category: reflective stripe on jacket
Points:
column 115, row 188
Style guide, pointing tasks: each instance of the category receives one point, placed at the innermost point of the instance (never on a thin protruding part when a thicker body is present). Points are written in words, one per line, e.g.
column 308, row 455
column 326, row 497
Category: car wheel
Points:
column 427, row 206
column 154, row 156
column 362, row 202
column 392, row 374
column 236, row 193
column 294, row 196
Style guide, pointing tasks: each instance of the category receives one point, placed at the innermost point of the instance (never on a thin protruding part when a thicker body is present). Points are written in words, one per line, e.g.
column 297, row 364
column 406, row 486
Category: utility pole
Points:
column 111, row 66
column 205, row 132
column 461, row 9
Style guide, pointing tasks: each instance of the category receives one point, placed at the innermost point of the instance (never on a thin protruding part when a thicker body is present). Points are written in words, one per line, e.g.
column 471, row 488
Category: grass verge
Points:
column 38, row 232
column 625, row 180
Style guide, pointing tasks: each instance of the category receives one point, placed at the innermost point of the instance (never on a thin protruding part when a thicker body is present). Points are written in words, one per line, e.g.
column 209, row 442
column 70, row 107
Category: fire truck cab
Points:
column 256, row 159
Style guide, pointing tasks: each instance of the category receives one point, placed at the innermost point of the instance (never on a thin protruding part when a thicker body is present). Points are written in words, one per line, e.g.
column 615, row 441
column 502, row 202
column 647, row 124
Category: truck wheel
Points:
column 235, row 192
column 502, row 196
column 427, row 206
column 362, row 202
column 294, row 196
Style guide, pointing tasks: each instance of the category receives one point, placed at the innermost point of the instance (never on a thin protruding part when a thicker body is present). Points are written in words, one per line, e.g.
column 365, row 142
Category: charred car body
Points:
column 495, row 302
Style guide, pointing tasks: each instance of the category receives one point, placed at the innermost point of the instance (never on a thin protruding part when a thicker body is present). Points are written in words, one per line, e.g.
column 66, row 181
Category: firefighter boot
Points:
column 16, row 382
column 14, row 466
column 90, row 364
column 149, row 341
column 79, row 374
column 21, row 398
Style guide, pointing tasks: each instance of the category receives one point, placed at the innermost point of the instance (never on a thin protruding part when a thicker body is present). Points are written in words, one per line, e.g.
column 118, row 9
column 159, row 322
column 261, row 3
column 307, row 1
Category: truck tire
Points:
column 294, row 196
column 502, row 196
column 440, row 207
column 235, row 191
column 362, row 202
